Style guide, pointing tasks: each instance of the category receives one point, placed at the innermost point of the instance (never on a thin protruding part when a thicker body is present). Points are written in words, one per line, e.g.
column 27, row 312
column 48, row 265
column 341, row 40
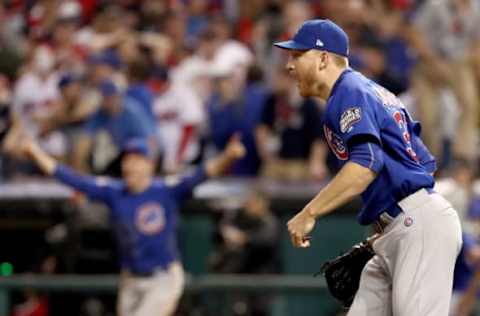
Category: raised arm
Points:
column 94, row 188
column 213, row 168
column 232, row 152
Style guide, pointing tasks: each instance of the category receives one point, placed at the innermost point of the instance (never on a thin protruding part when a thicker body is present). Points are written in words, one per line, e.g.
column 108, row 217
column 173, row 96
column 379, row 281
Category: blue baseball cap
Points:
column 318, row 34
column 67, row 79
column 137, row 146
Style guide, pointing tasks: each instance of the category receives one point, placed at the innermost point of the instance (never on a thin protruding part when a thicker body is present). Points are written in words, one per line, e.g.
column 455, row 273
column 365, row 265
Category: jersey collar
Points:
column 339, row 80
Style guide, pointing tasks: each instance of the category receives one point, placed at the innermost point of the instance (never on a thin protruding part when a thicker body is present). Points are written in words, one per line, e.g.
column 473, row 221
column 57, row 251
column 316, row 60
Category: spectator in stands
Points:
column 106, row 65
column 249, row 238
column 231, row 56
column 187, row 72
column 236, row 108
column 289, row 136
column 138, row 89
column 69, row 55
column 12, row 24
column 36, row 97
column 446, row 37
column 179, row 104
column 197, row 20
column 293, row 14
column 180, row 113
column 74, row 108
column 121, row 120
column 249, row 244
column 108, row 27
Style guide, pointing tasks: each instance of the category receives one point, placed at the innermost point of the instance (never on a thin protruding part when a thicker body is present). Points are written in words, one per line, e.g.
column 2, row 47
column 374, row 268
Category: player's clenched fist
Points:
column 232, row 152
column 299, row 227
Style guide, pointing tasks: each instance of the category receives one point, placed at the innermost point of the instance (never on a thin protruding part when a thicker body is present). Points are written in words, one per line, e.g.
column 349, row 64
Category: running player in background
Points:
column 382, row 157
column 144, row 217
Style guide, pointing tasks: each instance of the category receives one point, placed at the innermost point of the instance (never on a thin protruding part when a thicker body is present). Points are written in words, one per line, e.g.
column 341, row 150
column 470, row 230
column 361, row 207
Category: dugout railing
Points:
column 220, row 284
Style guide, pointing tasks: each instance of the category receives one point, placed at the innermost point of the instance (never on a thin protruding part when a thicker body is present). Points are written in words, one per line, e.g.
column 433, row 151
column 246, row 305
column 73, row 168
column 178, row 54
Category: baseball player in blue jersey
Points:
column 144, row 217
column 382, row 157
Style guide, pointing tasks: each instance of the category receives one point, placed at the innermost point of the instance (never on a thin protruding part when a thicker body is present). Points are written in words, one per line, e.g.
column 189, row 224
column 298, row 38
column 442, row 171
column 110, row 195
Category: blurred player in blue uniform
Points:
column 144, row 217
column 382, row 157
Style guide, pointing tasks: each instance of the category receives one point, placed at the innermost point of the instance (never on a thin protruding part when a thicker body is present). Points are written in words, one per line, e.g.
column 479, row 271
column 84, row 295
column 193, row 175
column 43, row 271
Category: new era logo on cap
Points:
column 318, row 34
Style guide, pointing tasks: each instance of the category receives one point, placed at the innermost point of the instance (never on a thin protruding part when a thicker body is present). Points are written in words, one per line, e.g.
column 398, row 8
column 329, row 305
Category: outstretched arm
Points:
column 91, row 186
column 213, row 168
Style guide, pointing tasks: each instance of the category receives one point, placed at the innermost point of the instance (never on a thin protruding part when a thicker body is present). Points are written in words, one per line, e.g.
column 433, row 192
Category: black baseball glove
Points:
column 343, row 273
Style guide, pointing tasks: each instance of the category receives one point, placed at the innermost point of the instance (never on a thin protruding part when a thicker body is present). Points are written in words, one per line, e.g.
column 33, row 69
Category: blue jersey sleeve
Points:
column 96, row 188
column 182, row 189
column 368, row 155
column 356, row 120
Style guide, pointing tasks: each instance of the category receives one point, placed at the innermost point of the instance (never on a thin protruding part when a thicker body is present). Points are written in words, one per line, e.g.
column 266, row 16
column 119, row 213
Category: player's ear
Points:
column 323, row 60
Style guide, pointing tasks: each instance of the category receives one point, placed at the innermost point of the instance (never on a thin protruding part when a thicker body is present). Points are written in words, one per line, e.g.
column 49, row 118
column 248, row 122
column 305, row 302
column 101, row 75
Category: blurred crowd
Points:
column 84, row 76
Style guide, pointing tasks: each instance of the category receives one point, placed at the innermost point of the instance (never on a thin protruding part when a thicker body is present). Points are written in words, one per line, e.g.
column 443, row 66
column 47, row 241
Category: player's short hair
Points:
column 338, row 60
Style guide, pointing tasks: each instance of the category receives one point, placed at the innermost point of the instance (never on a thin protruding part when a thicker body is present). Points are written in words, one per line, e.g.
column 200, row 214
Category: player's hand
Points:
column 235, row 149
column 232, row 152
column 299, row 227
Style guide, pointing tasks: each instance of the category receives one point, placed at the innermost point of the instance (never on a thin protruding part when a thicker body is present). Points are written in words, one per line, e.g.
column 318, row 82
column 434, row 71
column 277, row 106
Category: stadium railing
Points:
column 194, row 284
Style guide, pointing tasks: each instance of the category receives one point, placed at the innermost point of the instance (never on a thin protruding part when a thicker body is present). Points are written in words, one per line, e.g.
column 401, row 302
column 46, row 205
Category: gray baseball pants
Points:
column 412, row 271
